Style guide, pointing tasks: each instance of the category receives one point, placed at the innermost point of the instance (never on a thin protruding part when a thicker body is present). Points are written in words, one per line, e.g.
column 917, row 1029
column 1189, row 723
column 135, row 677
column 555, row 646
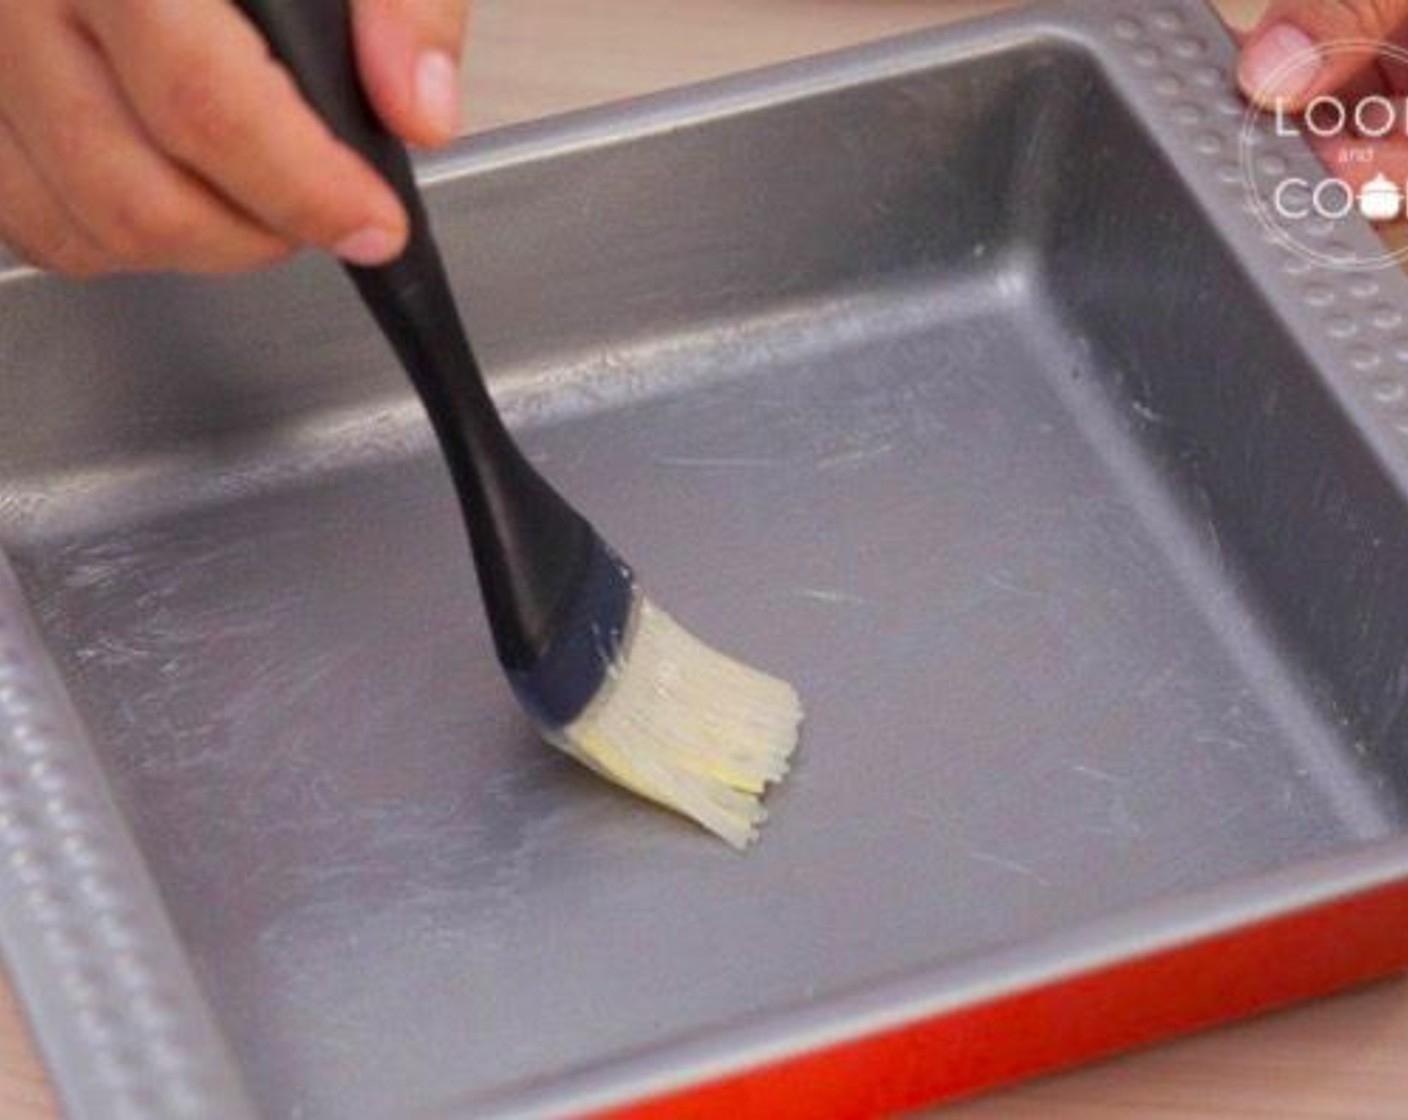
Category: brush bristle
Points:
column 686, row 726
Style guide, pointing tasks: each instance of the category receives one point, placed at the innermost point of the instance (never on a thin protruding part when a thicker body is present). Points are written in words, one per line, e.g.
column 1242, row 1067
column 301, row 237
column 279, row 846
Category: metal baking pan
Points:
column 949, row 377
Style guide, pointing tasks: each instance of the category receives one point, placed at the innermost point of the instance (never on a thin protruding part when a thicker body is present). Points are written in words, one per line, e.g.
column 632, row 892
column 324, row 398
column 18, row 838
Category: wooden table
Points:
column 1342, row 1058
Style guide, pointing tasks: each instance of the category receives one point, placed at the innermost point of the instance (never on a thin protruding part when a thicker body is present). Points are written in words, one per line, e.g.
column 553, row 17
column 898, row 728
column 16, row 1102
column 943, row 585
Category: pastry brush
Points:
column 604, row 673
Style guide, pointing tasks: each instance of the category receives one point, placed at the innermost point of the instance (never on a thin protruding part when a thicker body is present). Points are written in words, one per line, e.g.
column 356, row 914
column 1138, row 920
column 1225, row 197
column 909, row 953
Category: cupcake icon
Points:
column 1380, row 200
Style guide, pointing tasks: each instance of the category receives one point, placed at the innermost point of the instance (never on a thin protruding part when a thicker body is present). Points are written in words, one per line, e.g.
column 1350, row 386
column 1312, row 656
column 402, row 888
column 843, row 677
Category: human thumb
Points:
column 1287, row 58
column 408, row 52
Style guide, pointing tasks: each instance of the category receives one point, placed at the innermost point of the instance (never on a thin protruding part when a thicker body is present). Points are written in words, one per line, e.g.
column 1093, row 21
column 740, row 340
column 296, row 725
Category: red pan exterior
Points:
column 1303, row 955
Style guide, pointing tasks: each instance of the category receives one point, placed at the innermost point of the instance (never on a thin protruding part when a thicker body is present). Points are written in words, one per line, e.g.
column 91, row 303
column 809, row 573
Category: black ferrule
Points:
column 589, row 645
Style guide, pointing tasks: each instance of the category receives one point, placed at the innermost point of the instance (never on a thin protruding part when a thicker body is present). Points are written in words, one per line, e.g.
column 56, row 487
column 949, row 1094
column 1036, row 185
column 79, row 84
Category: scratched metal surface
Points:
column 830, row 360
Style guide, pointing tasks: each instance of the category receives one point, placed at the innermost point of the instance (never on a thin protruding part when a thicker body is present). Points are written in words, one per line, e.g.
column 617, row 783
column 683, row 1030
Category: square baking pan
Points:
column 951, row 378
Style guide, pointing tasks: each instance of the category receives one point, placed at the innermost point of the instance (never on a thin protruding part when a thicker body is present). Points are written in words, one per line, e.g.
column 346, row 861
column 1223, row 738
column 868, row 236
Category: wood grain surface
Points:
column 1341, row 1059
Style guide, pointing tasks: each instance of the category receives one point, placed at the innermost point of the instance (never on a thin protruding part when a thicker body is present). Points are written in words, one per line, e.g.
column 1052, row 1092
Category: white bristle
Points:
column 682, row 724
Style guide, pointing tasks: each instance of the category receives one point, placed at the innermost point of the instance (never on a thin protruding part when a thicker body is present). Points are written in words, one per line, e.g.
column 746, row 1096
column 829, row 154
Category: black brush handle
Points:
column 531, row 548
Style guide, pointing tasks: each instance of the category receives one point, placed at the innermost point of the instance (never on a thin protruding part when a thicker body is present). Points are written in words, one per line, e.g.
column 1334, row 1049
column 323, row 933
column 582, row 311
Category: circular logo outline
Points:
column 1253, row 123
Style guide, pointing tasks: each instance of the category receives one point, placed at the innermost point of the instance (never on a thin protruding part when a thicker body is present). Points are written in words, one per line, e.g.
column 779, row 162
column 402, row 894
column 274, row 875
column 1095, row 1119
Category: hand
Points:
column 159, row 134
column 1292, row 57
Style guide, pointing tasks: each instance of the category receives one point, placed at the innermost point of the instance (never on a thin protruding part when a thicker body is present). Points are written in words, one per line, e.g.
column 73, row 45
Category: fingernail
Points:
column 1282, row 63
column 438, row 92
column 368, row 247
